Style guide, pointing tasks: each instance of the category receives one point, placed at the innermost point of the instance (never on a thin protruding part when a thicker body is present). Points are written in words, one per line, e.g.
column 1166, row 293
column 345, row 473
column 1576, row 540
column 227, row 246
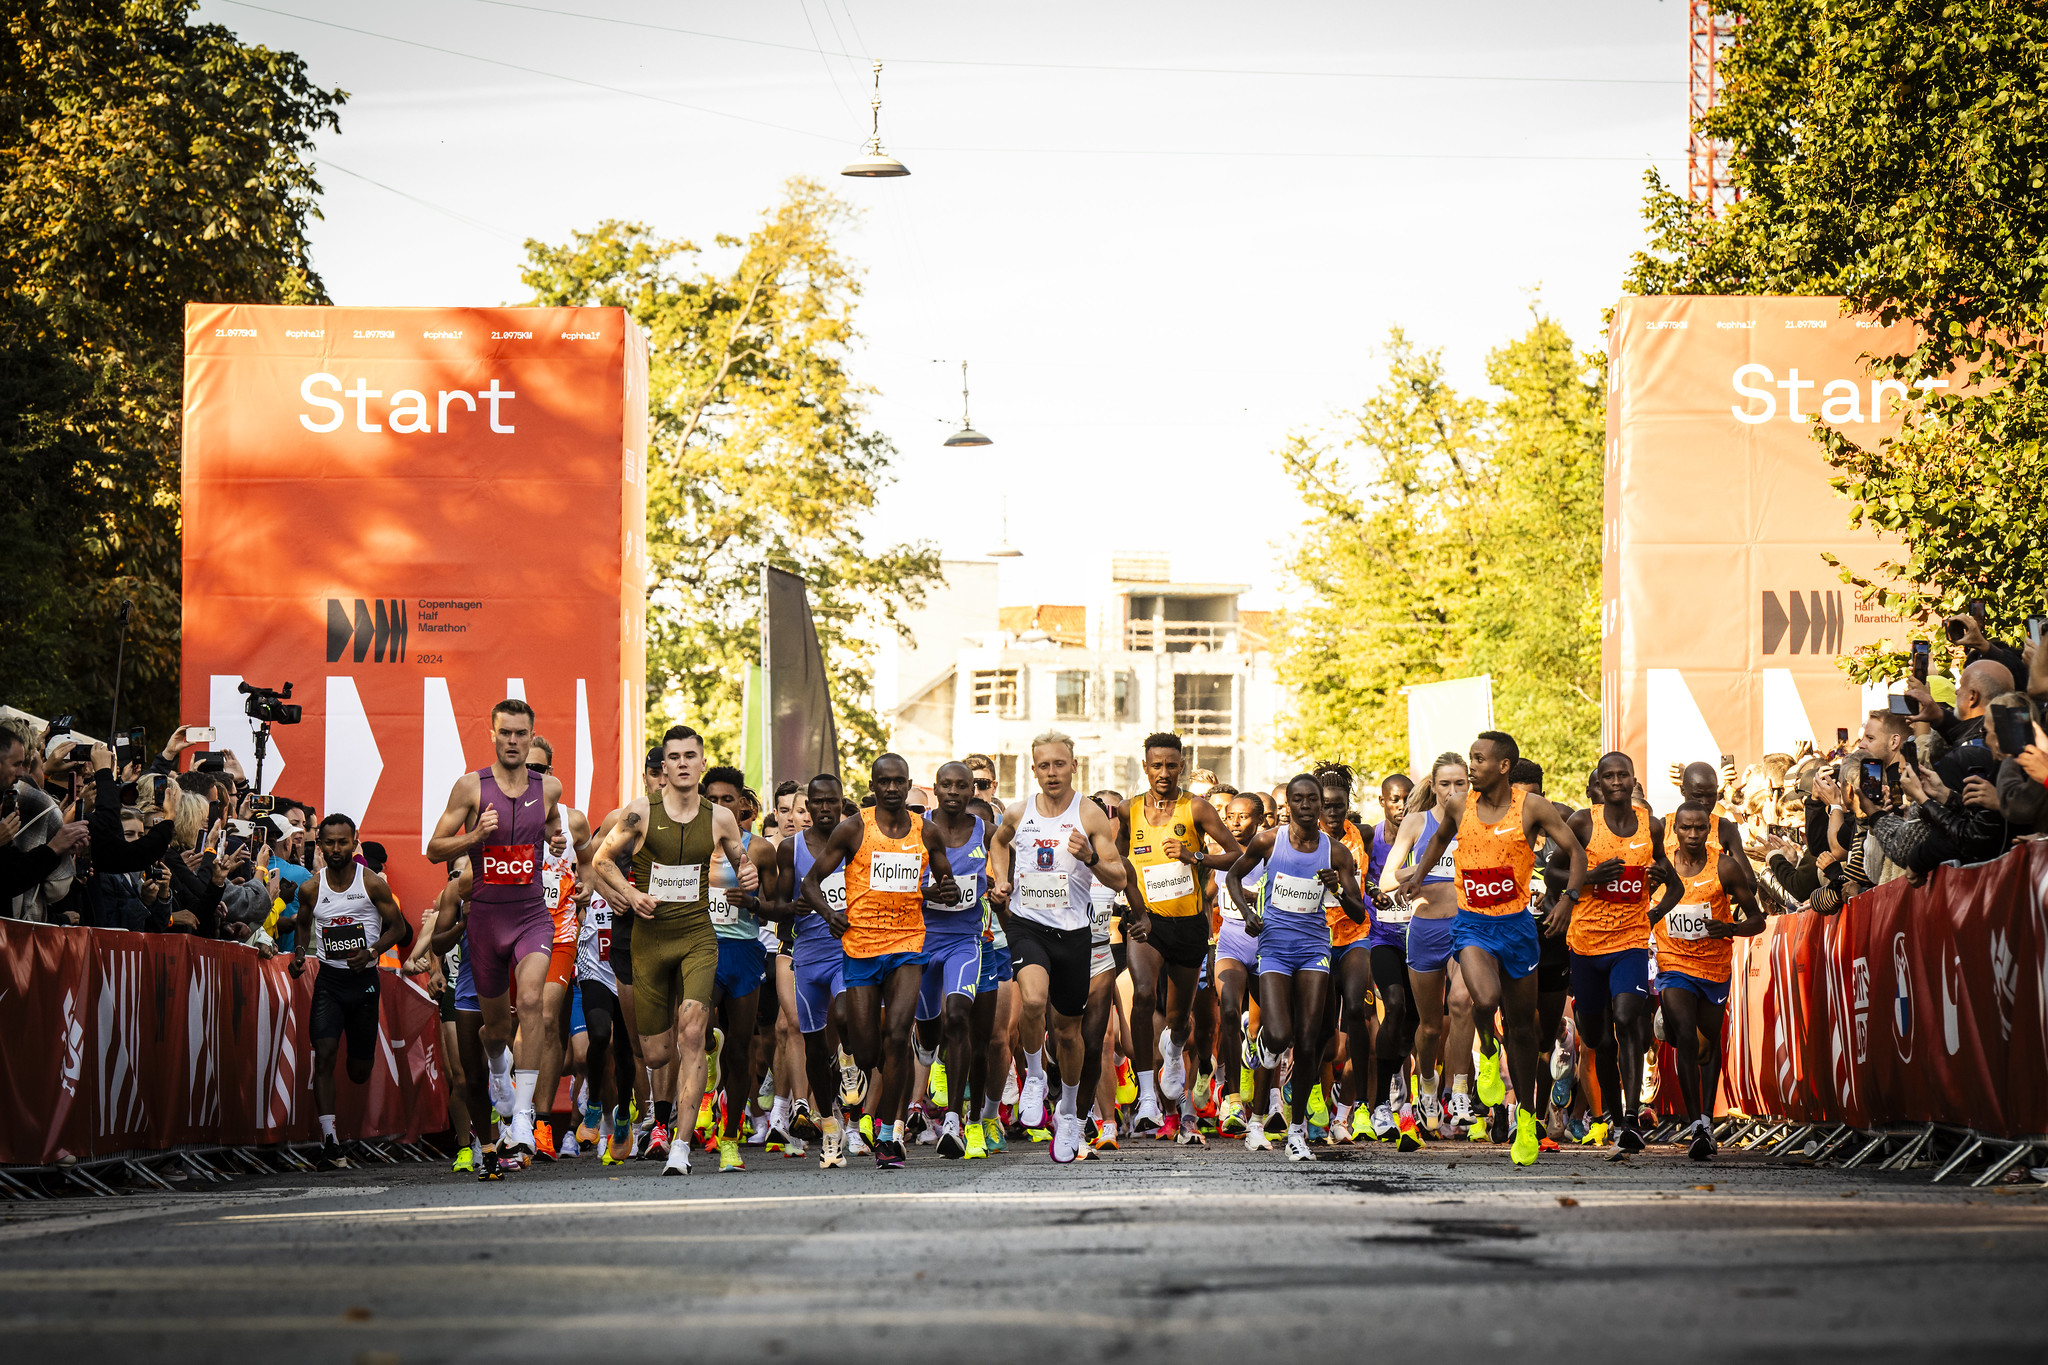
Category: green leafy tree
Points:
column 1895, row 152
column 145, row 161
column 760, row 452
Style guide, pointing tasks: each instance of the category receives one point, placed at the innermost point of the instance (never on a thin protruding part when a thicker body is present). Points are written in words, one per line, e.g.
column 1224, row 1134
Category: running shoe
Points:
column 1651, row 1077
column 833, row 1149
column 936, row 1085
column 1379, row 1125
column 803, row 1124
column 1297, row 1146
column 759, row 1132
column 889, row 1155
column 1702, row 1147
column 713, row 1051
column 1012, row 1089
column 1500, row 1124
column 1431, row 1110
column 1126, row 1081
column 1190, row 1134
column 1031, row 1103
column 570, row 1148
column 1276, row 1121
column 853, row 1082
column 465, row 1161
column 1264, row 1055
column 926, row 1056
column 331, row 1157
column 586, row 1131
column 487, row 1164
column 778, row 1137
column 1230, row 1116
column 678, row 1162
column 858, row 1143
column 1527, row 1139
column 729, row 1158
column 1067, row 1140
column 996, row 1139
column 1318, row 1108
column 1208, row 1095
column 1548, row 1145
column 1486, row 1077
column 1628, row 1137
column 643, row 1132
column 1105, row 1137
column 1148, row 1120
column 1462, row 1114
column 1317, row 1133
column 657, row 1143
column 1407, row 1136
column 522, row 1134
column 1039, row 1134
column 976, row 1143
column 952, row 1143
column 544, row 1140
column 1169, row 1129
column 1172, row 1071
column 1561, row 1090
column 1255, row 1139
column 608, row 1153
column 707, row 1118
column 501, row 1091
column 921, row 1127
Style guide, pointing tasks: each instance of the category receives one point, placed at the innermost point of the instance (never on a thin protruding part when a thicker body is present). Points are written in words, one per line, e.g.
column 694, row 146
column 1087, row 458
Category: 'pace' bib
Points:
column 506, row 865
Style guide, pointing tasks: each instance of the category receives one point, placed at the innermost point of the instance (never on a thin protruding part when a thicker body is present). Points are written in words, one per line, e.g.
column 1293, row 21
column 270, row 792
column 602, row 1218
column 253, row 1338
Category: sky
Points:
column 1165, row 236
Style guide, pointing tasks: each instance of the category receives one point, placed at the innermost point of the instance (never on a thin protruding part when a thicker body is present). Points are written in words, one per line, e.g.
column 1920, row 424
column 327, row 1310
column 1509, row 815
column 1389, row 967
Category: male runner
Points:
column 1554, row 965
column 1695, row 961
column 1433, row 903
column 1237, row 957
column 993, row 1022
column 952, row 950
column 611, row 1066
column 358, row 920
column 885, row 851
column 818, row 964
column 1350, row 954
column 1702, row 782
column 1304, row 867
column 736, row 918
column 565, row 890
column 982, row 769
column 1494, row 935
column 1610, row 936
column 503, row 816
column 1387, row 948
column 1163, row 836
column 671, row 843
column 1040, row 866
column 791, row 1121
column 1104, row 970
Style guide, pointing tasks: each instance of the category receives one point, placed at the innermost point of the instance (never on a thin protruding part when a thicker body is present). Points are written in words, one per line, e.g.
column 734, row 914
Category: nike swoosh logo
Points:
column 529, row 803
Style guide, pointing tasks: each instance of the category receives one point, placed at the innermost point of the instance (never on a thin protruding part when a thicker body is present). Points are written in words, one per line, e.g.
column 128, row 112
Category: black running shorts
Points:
column 345, row 1006
column 1183, row 940
column 1553, row 963
column 1063, row 954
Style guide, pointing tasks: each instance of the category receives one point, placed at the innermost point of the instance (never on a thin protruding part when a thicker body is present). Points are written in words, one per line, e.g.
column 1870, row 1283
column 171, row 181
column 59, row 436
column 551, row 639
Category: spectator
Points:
column 2018, row 796
column 1939, row 826
column 197, row 873
column 1963, row 723
column 31, row 852
column 135, row 900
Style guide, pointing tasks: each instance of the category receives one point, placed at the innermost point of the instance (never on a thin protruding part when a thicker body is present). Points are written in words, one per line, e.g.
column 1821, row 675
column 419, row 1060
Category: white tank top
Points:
column 1047, row 883
column 1101, row 911
column 345, row 920
column 594, row 945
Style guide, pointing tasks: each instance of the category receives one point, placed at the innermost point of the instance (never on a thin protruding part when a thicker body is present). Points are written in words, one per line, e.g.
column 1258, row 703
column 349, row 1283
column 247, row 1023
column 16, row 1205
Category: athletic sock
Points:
column 664, row 1112
column 327, row 1127
column 500, row 1062
column 991, row 1108
column 885, row 1132
column 1034, row 1065
column 778, row 1113
column 1148, row 1088
column 1274, row 1104
column 1070, row 1098
column 523, row 1083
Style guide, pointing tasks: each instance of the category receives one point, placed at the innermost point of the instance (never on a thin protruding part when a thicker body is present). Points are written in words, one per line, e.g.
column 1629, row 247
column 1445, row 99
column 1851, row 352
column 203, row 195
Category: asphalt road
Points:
column 1151, row 1253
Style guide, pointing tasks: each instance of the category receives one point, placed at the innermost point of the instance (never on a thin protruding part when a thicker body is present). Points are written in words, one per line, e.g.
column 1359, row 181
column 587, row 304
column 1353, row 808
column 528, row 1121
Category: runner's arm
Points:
column 1211, row 824
column 1261, row 846
column 726, row 831
column 768, row 901
column 999, row 860
column 841, row 844
column 1397, row 856
column 1674, row 892
column 623, row 842
column 1446, row 830
column 1741, row 889
column 946, row 889
column 397, row 929
column 451, row 833
column 448, row 926
column 1101, row 838
column 1343, row 871
column 1543, row 816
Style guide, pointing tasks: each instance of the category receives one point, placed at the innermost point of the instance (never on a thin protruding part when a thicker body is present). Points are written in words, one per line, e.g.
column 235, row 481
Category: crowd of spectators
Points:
column 116, row 837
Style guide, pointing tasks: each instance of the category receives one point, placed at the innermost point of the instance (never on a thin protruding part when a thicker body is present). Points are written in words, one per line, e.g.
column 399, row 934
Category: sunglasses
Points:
column 540, row 768
column 982, row 784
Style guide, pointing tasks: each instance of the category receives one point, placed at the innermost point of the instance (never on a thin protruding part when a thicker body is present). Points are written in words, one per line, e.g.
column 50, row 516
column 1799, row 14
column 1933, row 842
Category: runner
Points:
column 428, row 958
column 1237, row 957
column 565, row 890
column 1695, row 960
column 1702, row 782
column 610, row 1058
column 994, row 1020
column 1609, row 937
column 1494, row 936
column 504, row 820
column 818, row 967
column 1433, row 902
column 886, row 852
column 983, row 770
column 952, row 950
column 671, row 842
column 1352, row 1001
column 1104, row 972
column 451, row 935
column 1387, row 946
column 1554, row 965
column 357, row 919
column 792, row 1121
column 1040, row 865
column 736, row 917
column 1163, row 836
column 1304, row 867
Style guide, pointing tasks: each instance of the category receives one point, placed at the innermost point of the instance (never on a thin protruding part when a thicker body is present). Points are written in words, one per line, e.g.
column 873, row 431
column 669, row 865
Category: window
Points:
column 1201, row 704
column 1216, row 758
column 1125, row 687
column 1006, row 777
column 1130, row 778
column 995, row 692
column 1070, row 694
column 1082, row 782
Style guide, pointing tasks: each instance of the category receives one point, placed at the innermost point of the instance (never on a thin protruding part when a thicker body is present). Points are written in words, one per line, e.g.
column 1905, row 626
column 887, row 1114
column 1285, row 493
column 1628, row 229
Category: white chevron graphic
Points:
column 441, row 760
column 353, row 762
column 586, row 761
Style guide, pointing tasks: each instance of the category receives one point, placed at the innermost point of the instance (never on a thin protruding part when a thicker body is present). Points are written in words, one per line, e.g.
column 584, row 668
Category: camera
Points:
column 270, row 705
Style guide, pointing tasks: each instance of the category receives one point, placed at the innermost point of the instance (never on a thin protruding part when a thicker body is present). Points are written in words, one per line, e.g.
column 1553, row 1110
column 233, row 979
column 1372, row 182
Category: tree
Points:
column 144, row 161
column 759, row 452
column 1895, row 152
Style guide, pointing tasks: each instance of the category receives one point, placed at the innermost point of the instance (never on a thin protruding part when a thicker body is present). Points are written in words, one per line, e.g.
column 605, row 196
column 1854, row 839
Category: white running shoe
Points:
column 760, row 1134
column 1255, row 1139
column 568, row 1151
column 834, row 1153
column 519, row 1133
column 1461, row 1109
column 1067, row 1137
column 1297, row 1146
column 853, row 1086
column 925, row 1055
column 1010, row 1091
column 1148, row 1120
column 501, row 1092
column 1430, row 1109
column 1383, row 1122
column 929, row 1134
column 1172, row 1071
column 1031, row 1105
column 678, row 1159
column 952, row 1143
column 856, row 1145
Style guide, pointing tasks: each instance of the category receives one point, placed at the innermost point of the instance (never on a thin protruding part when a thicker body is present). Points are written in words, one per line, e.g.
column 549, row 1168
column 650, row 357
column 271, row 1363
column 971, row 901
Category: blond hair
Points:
column 190, row 820
column 1053, row 737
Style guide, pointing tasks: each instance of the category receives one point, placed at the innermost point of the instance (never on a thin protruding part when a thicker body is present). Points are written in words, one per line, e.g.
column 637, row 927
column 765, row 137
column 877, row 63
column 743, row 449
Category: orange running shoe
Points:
column 543, row 1140
column 1170, row 1129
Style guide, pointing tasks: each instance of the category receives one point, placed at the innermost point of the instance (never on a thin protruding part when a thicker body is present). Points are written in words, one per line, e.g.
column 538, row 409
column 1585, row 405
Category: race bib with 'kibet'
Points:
column 1688, row 923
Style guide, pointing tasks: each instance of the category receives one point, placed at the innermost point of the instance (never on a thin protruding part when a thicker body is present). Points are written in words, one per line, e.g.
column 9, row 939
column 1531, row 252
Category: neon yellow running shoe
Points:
column 867, row 1128
column 1486, row 1072
column 1126, row 1081
column 994, row 1129
column 1318, row 1110
column 707, row 1121
column 977, row 1142
column 713, row 1050
column 729, row 1156
column 1528, row 1139
column 1230, row 1120
column 465, row 1162
column 936, row 1084
column 1246, row 1083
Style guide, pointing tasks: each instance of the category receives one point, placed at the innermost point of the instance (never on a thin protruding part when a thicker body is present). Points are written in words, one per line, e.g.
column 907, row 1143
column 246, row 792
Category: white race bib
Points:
column 888, row 871
column 834, row 888
column 1447, row 866
column 1688, row 922
column 1104, row 912
column 1168, row 882
column 1396, row 912
column 723, row 911
column 551, row 889
column 672, row 883
column 1295, row 895
column 1042, row 892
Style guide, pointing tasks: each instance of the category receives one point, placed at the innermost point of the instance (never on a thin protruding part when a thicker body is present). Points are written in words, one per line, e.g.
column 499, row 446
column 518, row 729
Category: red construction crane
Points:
column 1706, row 161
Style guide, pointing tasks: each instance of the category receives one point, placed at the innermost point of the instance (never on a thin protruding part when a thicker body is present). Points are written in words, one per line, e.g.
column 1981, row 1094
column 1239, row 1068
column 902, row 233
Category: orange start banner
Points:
column 410, row 514
column 1720, row 621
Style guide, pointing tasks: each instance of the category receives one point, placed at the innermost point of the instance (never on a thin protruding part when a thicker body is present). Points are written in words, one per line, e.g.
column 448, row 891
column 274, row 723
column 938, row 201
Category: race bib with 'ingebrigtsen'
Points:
column 895, row 872
column 507, row 865
column 673, row 883
column 1295, row 895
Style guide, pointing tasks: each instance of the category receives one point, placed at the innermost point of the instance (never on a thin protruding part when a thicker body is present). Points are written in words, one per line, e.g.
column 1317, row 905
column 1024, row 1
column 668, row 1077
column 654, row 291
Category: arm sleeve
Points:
column 111, row 851
column 2024, row 799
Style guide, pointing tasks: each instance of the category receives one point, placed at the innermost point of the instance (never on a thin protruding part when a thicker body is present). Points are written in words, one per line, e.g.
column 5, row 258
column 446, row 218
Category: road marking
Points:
column 79, row 1220
column 692, row 1317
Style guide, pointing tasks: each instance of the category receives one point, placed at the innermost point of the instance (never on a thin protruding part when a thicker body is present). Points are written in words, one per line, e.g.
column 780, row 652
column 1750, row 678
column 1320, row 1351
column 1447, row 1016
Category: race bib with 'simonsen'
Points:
column 1042, row 892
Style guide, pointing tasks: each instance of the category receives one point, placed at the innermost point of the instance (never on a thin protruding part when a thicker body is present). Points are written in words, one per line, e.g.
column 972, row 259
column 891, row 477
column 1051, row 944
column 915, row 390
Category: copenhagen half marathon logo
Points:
column 378, row 629
column 1812, row 619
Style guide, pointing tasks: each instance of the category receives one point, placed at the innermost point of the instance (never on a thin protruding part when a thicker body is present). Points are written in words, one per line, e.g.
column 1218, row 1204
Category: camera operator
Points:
column 34, row 846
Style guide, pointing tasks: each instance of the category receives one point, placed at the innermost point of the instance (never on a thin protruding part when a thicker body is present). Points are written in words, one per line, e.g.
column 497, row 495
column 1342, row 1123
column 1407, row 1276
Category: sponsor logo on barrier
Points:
column 2005, row 981
column 1814, row 628
column 380, row 634
column 1902, row 998
column 74, row 1045
column 1860, row 968
column 1951, row 1032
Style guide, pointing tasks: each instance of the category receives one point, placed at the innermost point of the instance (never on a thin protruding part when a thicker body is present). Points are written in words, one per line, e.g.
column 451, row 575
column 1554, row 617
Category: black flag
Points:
column 803, row 740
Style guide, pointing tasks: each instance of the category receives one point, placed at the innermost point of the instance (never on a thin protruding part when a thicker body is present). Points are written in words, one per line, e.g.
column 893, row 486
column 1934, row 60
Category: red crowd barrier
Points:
column 1912, row 1005
column 121, row 1042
